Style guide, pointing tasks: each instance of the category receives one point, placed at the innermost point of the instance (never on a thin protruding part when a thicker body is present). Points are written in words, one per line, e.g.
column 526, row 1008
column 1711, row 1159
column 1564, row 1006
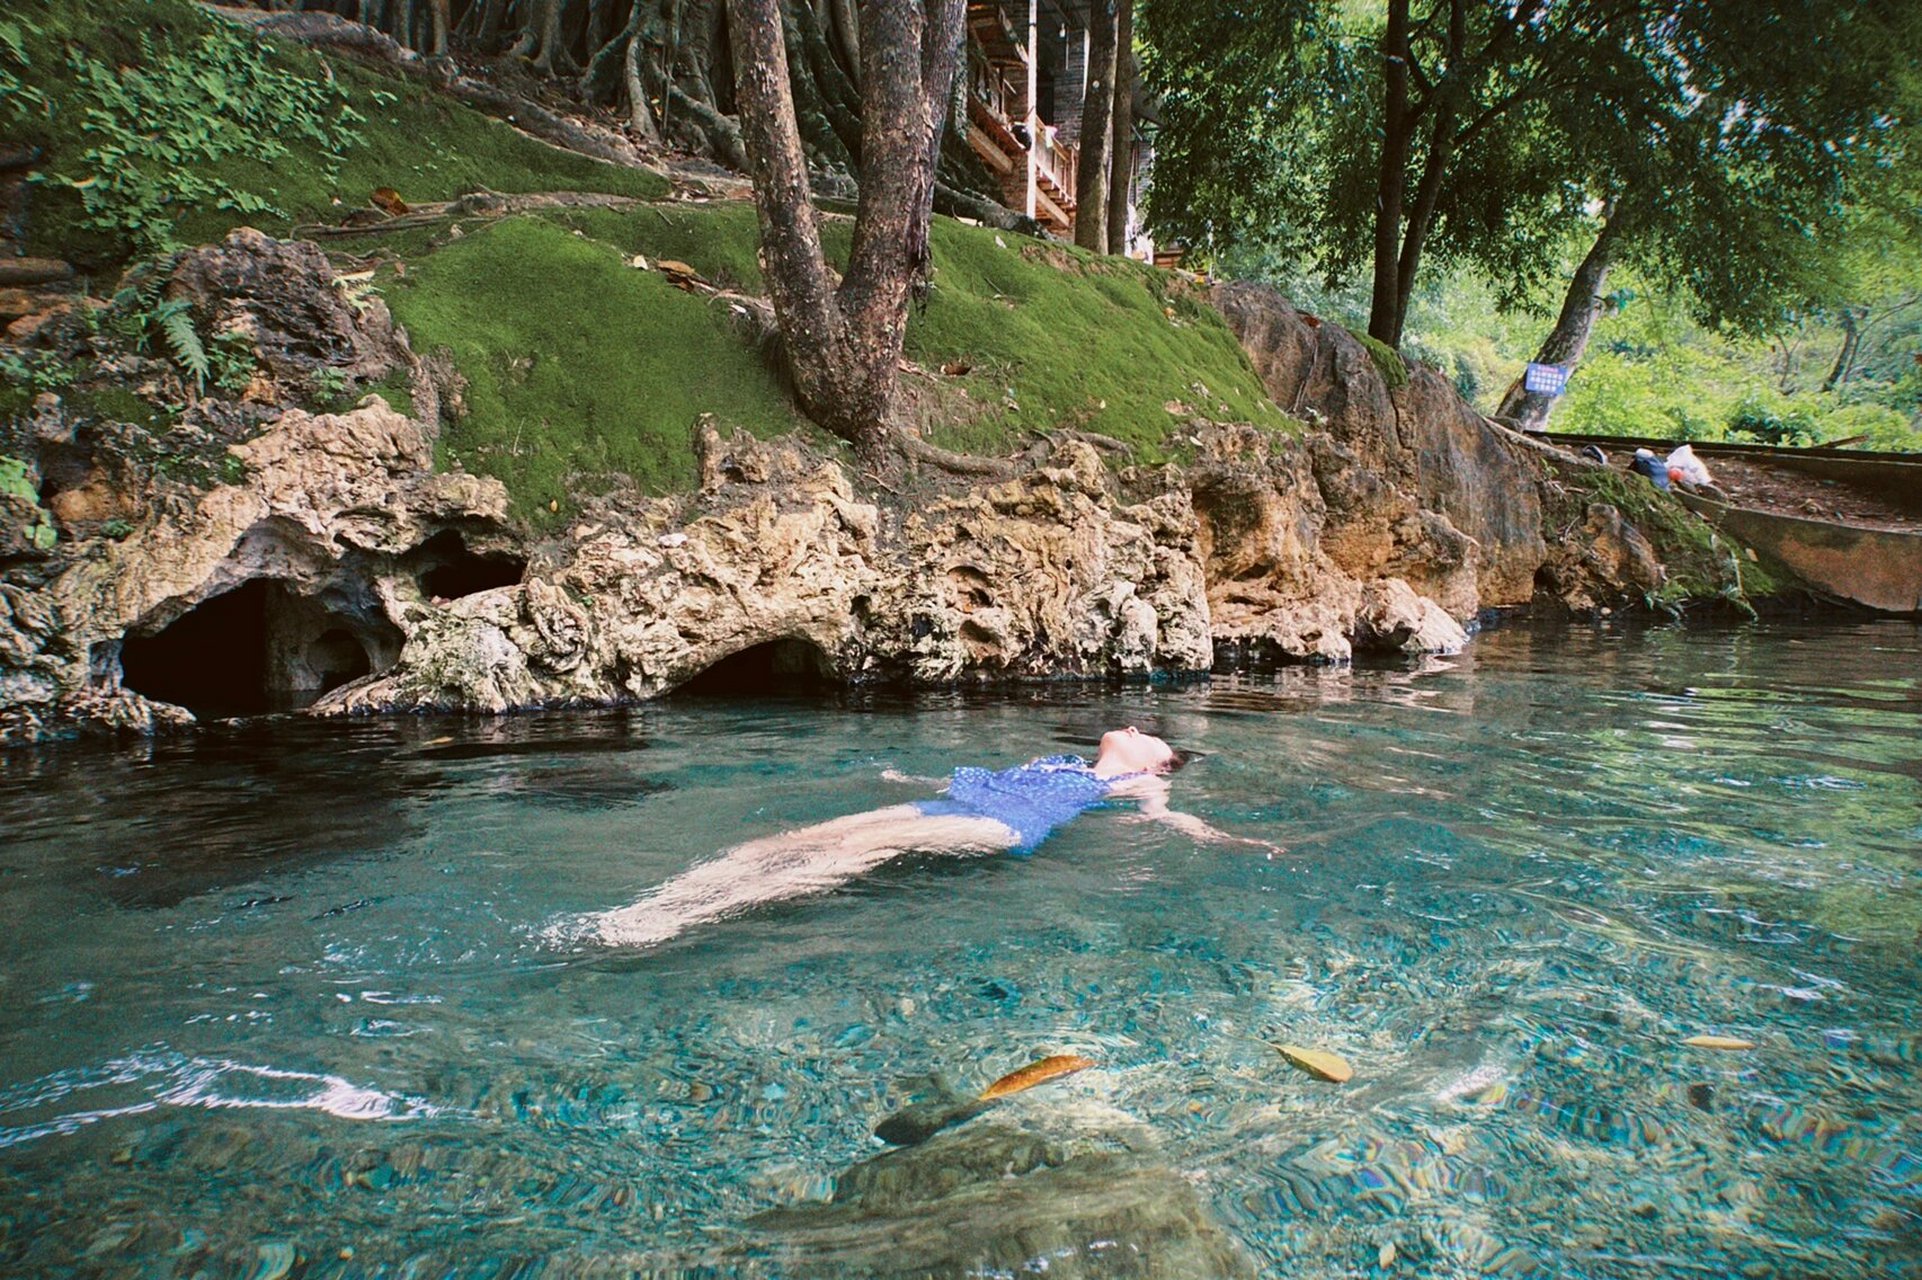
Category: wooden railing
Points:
column 1057, row 164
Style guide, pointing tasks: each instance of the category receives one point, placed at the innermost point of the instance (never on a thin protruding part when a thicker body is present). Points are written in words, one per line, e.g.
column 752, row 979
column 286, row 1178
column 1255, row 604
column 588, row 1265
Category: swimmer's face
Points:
column 1130, row 750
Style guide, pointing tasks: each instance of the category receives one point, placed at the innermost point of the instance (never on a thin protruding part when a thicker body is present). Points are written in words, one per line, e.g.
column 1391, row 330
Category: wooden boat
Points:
column 1876, row 568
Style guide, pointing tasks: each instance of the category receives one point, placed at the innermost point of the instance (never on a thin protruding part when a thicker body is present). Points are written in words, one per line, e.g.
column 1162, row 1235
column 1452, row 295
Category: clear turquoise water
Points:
column 283, row 992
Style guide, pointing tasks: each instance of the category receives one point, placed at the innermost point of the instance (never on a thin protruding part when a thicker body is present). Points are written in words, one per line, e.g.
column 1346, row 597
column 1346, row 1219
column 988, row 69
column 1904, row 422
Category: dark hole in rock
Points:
column 211, row 660
column 449, row 570
column 257, row 648
column 777, row 667
column 336, row 657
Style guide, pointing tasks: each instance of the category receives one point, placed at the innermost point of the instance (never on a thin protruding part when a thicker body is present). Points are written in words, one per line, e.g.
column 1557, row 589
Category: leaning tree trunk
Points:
column 1851, row 344
column 843, row 345
column 1528, row 410
column 1398, row 132
column 1097, row 142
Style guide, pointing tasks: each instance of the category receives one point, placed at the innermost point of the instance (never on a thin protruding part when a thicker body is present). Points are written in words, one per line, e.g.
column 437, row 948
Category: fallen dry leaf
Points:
column 1318, row 1063
column 1060, row 1064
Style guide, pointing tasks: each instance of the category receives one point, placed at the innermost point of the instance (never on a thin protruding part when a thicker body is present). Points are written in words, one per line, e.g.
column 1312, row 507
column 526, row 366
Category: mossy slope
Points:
column 580, row 368
column 577, row 364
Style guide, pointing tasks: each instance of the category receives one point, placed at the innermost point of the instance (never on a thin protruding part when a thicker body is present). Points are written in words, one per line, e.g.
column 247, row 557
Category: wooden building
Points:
column 1026, row 78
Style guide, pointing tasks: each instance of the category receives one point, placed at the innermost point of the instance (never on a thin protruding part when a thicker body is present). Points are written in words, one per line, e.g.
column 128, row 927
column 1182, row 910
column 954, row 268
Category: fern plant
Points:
column 176, row 323
column 139, row 313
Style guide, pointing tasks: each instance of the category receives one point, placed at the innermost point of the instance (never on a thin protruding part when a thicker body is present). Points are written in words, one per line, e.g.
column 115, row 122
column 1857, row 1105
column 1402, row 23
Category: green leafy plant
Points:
column 16, row 481
column 231, row 362
column 160, row 128
column 36, row 371
column 175, row 322
column 15, row 92
column 330, row 388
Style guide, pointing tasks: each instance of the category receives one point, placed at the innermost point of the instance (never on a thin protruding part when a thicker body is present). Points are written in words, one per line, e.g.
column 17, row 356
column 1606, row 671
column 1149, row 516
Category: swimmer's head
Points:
column 1130, row 750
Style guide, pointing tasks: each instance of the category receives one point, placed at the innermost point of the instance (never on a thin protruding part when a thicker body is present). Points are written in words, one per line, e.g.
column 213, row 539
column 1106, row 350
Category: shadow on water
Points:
column 233, row 803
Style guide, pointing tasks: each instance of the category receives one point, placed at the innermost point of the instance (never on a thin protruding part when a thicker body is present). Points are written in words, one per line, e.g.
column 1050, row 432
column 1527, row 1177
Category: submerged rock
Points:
column 994, row 1199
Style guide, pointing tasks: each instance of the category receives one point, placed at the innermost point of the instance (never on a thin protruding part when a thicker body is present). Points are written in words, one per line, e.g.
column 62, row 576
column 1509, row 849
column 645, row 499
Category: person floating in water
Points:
column 1012, row 810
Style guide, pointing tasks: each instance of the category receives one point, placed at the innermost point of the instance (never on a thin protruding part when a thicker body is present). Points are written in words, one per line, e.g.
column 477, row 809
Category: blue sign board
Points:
column 1546, row 379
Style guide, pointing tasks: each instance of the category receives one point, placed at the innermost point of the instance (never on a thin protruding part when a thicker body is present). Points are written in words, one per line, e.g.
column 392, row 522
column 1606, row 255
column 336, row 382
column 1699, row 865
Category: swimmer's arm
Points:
column 1152, row 793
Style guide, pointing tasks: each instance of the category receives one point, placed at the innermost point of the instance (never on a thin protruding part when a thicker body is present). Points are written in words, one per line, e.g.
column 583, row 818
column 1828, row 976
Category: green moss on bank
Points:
column 1055, row 336
column 163, row 123
column 1388, row 361
column 578, row 366
column 1702, row 564
column 581, row 365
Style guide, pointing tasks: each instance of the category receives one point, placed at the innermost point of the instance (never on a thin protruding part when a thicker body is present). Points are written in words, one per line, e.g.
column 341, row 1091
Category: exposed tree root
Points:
column 915, row 449
column 484, row 204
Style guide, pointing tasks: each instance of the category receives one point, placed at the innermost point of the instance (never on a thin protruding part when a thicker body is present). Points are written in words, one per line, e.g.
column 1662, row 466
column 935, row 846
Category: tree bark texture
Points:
column 1097, row 137
column 843, row 343
column 1851, row 343
column 1398, row 131
column 1121, row 169
column 1566, row 343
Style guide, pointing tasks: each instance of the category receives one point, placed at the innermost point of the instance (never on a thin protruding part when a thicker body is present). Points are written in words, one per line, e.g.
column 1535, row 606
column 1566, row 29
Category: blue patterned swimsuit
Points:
column 1031, row 800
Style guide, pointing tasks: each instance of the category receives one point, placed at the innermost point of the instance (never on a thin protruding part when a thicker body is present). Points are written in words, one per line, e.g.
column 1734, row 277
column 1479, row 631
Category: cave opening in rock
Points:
column 211, row 660
column 449, row 570
column 258, row 648
column 785, row 666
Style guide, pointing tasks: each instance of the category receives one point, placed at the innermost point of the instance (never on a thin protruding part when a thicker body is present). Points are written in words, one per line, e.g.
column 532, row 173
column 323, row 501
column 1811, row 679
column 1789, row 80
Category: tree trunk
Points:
column 1528, row 410
column 1398, row 129
column 1097, row 139
column 1121, row 169
column 843, row 346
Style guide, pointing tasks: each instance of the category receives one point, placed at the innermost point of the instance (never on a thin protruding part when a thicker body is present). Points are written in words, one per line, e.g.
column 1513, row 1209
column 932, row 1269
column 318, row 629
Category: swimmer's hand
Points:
column 1194, row 828
column 892, row 774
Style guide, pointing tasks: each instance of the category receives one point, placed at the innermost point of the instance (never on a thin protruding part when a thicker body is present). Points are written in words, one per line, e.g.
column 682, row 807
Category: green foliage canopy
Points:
column 1370, row 137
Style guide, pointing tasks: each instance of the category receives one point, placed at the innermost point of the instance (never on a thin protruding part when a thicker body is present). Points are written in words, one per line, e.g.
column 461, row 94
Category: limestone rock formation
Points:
column 287, row 554
column 1420, row 439
column 1040, row 575
column 1296, row 575
column 284, row 297
column 326, row 533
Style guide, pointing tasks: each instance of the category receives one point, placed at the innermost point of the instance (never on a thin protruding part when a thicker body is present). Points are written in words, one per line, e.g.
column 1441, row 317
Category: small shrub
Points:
column 1771, row 421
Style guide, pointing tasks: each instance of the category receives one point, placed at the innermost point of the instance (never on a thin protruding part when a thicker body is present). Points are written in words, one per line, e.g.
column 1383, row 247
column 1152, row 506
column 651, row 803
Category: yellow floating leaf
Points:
column 1718, row 1042
column 1061, row 1064
column 1318, row 1063
column 389, row 199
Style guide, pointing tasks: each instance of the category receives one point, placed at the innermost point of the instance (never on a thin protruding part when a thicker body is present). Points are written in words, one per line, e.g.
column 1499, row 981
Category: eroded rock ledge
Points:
column 339, row 563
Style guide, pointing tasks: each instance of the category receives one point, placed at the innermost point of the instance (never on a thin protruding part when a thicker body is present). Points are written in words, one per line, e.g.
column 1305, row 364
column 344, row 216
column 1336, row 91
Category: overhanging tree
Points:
column 843, row 340
column 1371, row 136
column 1726, row 177
column 1379, row 137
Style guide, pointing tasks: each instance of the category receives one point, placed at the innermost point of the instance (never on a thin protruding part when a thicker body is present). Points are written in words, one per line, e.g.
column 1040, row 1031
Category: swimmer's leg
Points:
column 791, row 865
